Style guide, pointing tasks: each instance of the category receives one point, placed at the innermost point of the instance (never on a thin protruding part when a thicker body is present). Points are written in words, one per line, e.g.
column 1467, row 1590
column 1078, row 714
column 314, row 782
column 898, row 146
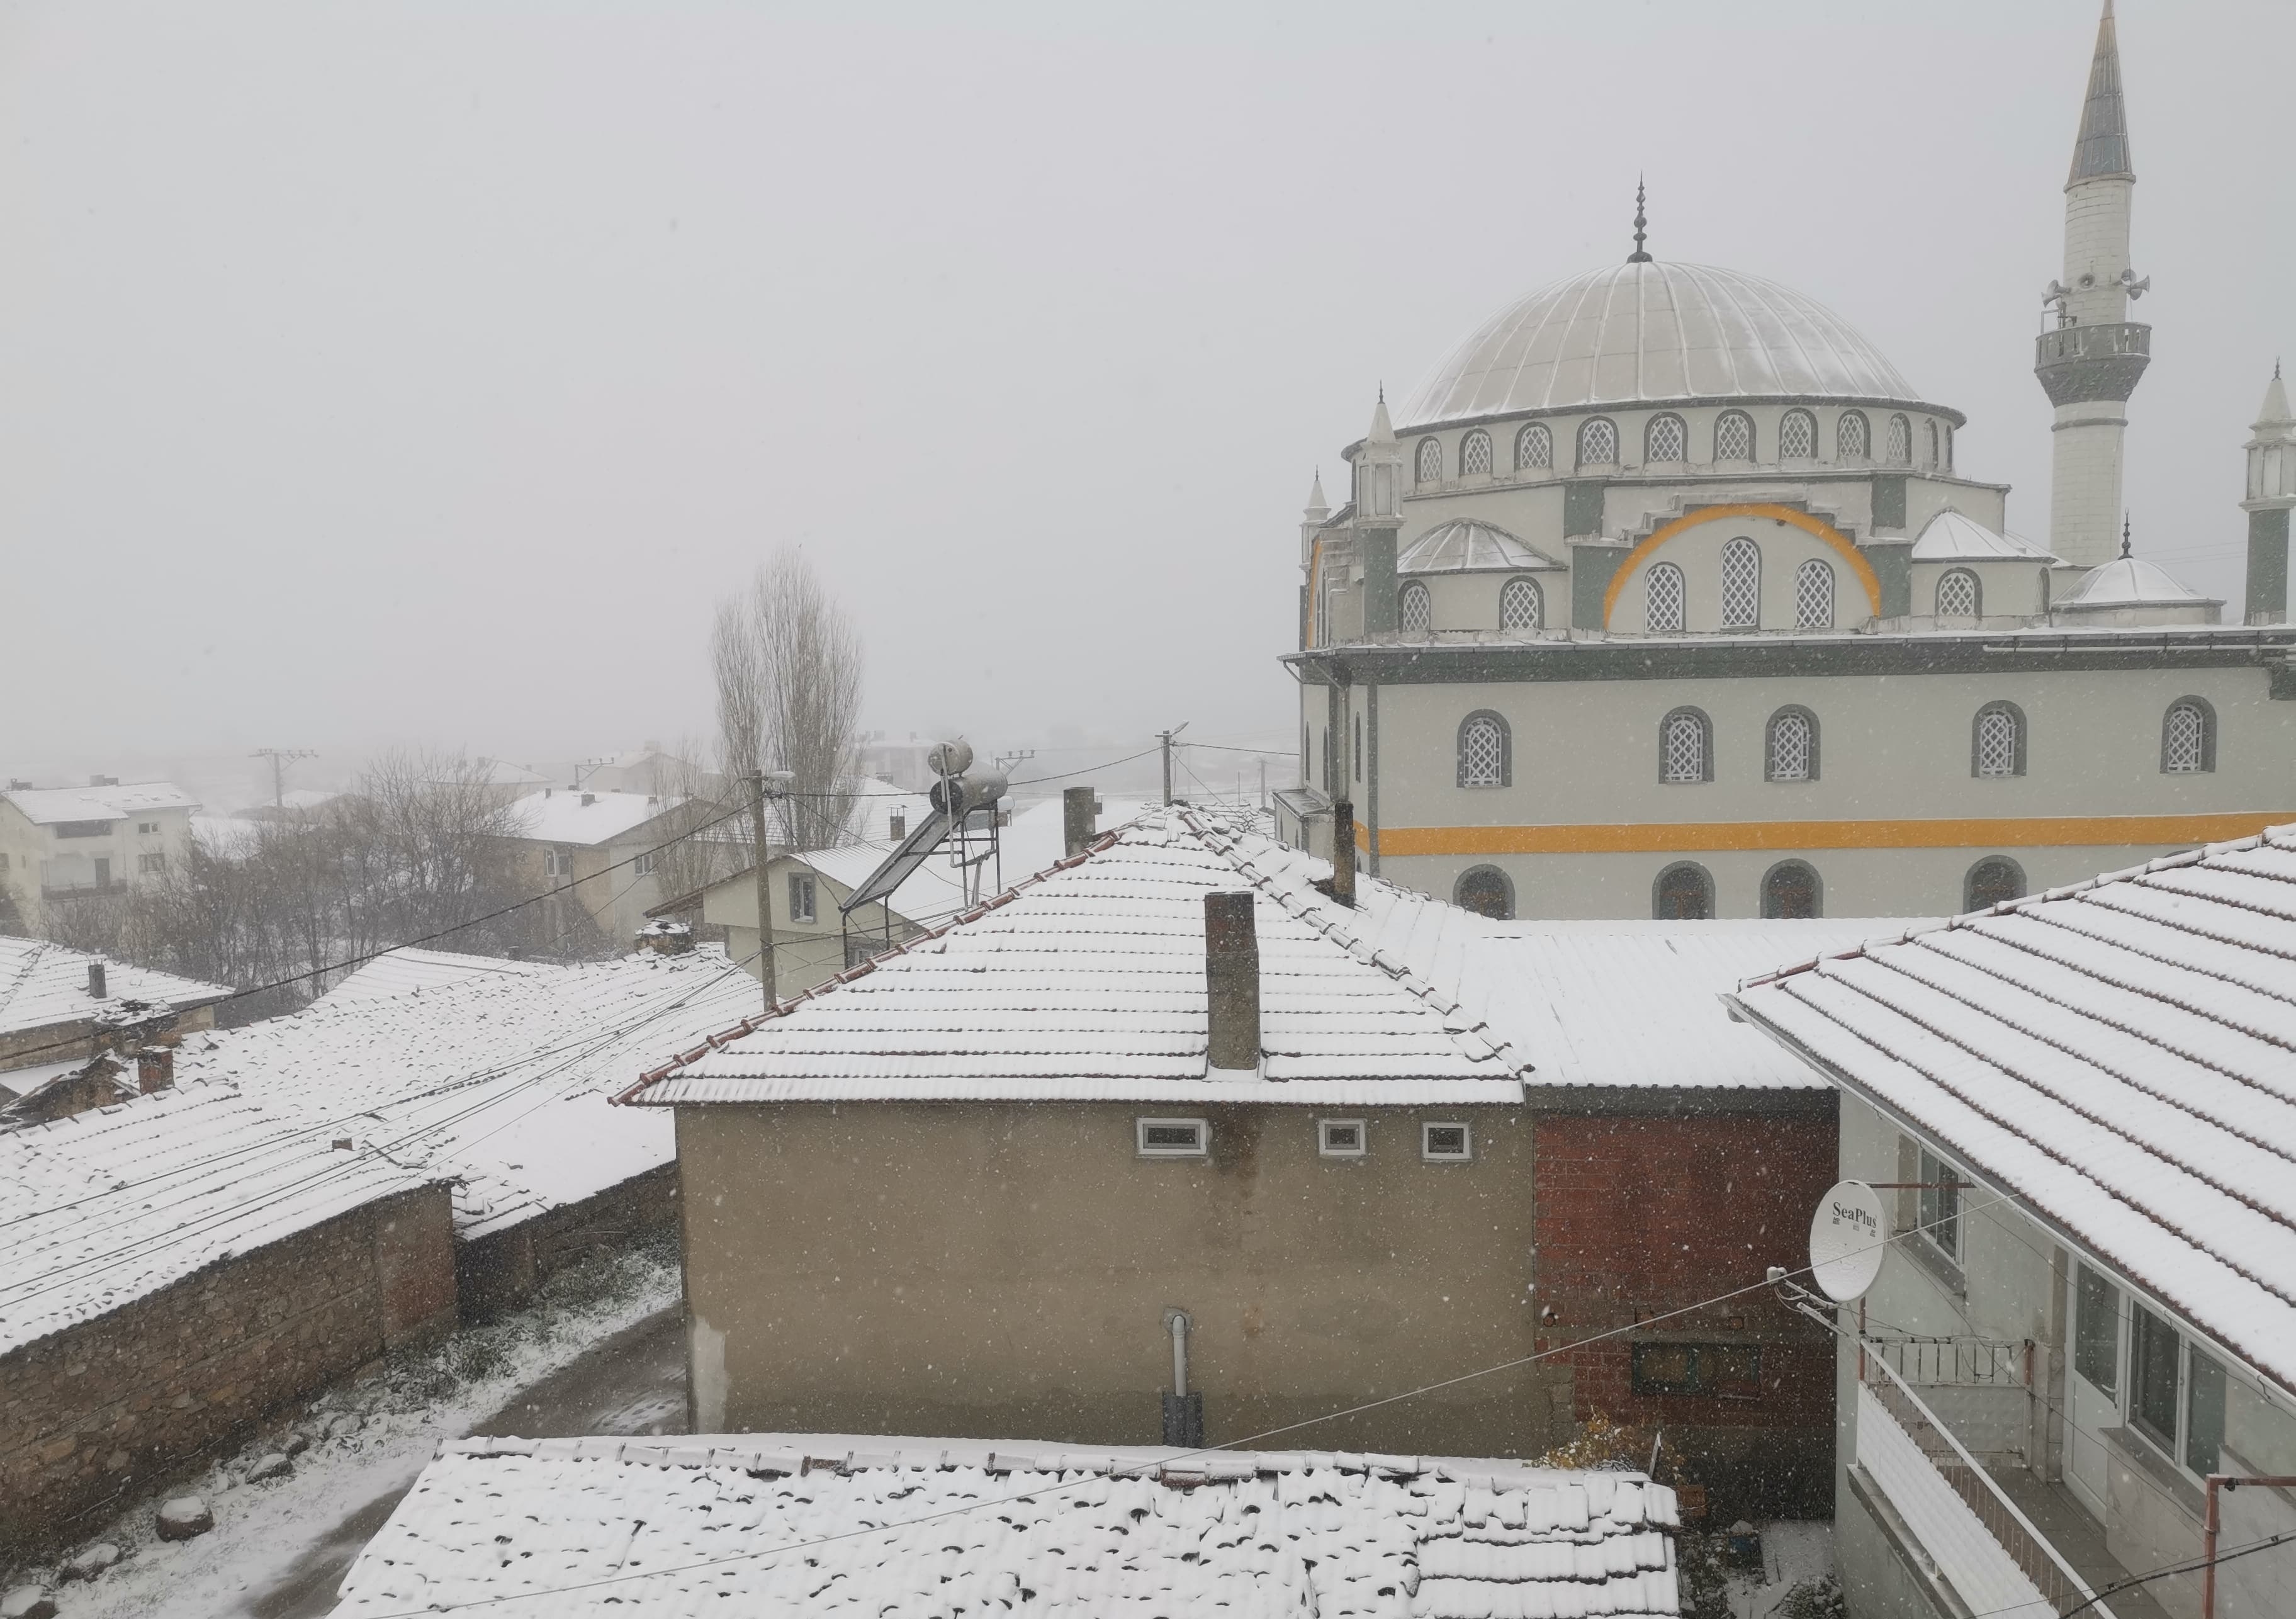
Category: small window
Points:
column 1484, row 751
column 1521, row 604
column 1685, row 750
column 642, row 866
column 1957, row 595
column 1853, row 440
column 1994, row 880
column 1662, row 599
column 1934, row 458
column 2188, row 737
column 801, row 896
column 1486, row 891
column 1598, row 443
column 1814, row 595
column 1725, row 1371
column 1415, row 611
column 148, row 829
column 2204, row 1412
column 1475, row 454
column 557, row 862
column 897, row 826
column 149, row 863
column 1948, row 448
column 1666, row 440
column 1174, row 1138
column 2096, row 1331
column 1431, row 461
column 1534, row 448
column 1444, row 1143
column 1683, row 892
column 1901, row 442
column 1734, row 436
column 1339, row 1138
column 82, row 829
column 1741, row 584
column 1940, row 1204
column 1798, row 436
column 1790, row 753
column 1790, row 892
column 2153, row 1348
column 1997, row 741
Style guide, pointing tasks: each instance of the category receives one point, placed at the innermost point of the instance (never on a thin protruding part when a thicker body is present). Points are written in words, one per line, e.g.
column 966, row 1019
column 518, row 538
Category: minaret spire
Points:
column 1641, row 255
column 2102, row 147
column 2269, row 498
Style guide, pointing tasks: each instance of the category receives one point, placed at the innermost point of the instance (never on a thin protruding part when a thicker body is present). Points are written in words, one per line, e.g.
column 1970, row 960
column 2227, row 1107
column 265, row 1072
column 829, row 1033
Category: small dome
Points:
column 1639, row 333
column 1464, row 546
column 2130, row 581
column 1950, row 537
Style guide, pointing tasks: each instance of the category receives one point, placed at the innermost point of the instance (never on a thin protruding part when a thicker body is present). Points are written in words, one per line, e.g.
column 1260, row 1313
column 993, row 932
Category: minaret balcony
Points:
column 2086, row 364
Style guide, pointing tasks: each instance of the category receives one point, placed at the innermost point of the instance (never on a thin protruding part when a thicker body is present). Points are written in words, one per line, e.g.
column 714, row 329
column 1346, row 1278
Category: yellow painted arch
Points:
column 1803, row 520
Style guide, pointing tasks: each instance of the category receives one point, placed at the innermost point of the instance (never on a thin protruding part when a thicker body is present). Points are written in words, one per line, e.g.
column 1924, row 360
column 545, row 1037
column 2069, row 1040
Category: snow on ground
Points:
column 403, row 1412
column 1796, row 1553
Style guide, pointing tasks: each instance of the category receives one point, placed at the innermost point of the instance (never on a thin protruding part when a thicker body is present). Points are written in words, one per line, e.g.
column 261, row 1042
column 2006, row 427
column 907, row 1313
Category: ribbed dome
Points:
column 1647, row 332
column 2129, row 581
column 1465, row 546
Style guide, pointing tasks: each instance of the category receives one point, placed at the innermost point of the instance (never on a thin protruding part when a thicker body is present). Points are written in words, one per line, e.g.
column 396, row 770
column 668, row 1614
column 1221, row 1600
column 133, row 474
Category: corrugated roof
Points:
column 566, row 815
column 2121, row 1056
column 405, row 972
column 44, row 983
column 903, row 1529
column 44, row 806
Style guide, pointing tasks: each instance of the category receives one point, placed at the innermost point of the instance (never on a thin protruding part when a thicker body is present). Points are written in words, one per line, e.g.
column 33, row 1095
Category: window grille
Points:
column 1992, row 881
column 1667, row 439
column 1485, row 891
column 1431, row 460
column 1901, row 442
column 1482, row 754
column 1790, row 747
column 1790, row 893
column 1733, row 437
column 1814, row 595
column 1996, row 743
column 1417, row 611
column 1339, row 1138
column 1741, row 585
column 1172, row 1137
column 1852, row 441
column 1444, row 1143
column 1475, row 454
column 1520, row 606
column 1534, row 448
column 2185, row 748
column 1598, row 443
column 1682, row 894
column 1683, row 749
column 1662, row 599
column 1798, row 437
column 1956, row 595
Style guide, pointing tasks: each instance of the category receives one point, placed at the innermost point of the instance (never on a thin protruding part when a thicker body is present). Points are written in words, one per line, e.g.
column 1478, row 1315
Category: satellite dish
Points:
column 1847, row 1239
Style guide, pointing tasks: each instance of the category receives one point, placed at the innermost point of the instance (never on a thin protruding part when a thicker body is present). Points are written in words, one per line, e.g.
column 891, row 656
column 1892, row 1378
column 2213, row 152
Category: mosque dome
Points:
column 2130, row 581
column 1642, row 331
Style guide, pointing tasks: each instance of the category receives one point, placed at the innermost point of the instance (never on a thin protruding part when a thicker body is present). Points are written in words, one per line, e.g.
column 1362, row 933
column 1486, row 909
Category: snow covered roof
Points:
column 2116, row 1057
column 43, row 983
column 1951, row 537
column 493, row 1074
column 501, row 773
column 1086, row 982
column 107, row 1206
column 566, row 815
column 1466, row 546
column 798, row 1524
column 2130, row 581
column 46, row 806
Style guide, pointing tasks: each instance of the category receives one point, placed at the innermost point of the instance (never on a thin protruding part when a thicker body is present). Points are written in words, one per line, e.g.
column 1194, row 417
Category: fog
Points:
column 424, row 372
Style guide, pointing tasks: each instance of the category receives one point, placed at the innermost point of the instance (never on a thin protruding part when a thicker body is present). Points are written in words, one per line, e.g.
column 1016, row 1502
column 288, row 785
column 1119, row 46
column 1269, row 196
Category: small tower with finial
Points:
column 1641, row 255
column 2271, row 494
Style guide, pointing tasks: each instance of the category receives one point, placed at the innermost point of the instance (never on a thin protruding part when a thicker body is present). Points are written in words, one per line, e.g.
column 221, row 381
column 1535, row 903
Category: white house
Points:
column 60, row 844
column 602, row 842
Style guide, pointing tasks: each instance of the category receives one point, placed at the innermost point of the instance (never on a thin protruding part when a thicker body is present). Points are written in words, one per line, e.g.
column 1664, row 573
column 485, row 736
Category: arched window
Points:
column 1666, row 439
column 1686, row 747
column 1683, row 892
column 1957, row 595
column 1431, row 461
column 1414, row 609
column 1485, row 891
column 1734, row 436
column 1814, row 595
column 1521, row 604
column 1662, row 599
column 1996, row 743
column 1789, row 752
column 1741, row 584
column 1486, row 751
column 1935, row 460
column 1852, row 440
column 1534, row 448
column 1901, row 442
column 2188, row 737
column 1475, row 453
column 1994, row 880
column 1798, row 436
column 1791, row 893
column 1598, row 443
column 1948, row 447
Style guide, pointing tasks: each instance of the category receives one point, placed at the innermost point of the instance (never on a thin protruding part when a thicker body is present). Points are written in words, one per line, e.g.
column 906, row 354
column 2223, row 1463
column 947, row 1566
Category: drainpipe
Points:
column 2208, row 1531
column 1177, row 1321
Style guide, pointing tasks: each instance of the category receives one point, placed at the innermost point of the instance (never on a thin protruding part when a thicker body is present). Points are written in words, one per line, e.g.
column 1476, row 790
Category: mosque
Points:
column 1665, row 595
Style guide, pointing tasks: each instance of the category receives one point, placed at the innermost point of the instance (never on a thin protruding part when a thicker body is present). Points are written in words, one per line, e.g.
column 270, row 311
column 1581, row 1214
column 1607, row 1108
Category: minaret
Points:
column 2271, row 496
column 1313, row 518
column 1379, row 514
column 2090, row 363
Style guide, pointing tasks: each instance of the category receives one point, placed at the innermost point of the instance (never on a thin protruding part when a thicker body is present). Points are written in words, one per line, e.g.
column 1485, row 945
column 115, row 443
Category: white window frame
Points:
column 1324, row 1148
column 802, row 881
column 1466, row 1138
column 1201, row 1149
column 642, row 866
column 557, row 862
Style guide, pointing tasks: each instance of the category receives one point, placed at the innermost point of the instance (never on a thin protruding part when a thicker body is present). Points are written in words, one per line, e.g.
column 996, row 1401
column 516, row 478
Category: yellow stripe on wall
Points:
column 1660, row 837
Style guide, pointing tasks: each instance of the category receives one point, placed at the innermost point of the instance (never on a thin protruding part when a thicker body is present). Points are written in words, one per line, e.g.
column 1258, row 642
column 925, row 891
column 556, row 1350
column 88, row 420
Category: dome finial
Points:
column 2124, row 534
column 1640, row 255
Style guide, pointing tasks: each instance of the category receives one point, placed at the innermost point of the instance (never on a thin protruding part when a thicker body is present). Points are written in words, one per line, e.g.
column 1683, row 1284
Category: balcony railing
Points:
column 67, row 892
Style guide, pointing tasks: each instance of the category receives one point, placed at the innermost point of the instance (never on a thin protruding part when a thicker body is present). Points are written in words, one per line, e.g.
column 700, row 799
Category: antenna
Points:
column 1848, row 1237
column 280, row 759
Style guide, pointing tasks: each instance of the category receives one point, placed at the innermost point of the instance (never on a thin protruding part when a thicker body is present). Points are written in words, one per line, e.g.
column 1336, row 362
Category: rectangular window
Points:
column 1940, row 1204
column 1339, row 1138
column 643, row 866
column 1174, row 1138
column 2152, row 1377
column 557, row 862
column 1723, row 1371
column 2096, row 1330
column 1444, row 1143
column 149, row 863
column 2204, row 1413
column 148, row 829
column 801, row 896
column 82, row 829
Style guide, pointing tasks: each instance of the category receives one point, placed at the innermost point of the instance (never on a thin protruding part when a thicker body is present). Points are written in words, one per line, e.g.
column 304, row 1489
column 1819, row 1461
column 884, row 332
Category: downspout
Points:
column 1176, row 1321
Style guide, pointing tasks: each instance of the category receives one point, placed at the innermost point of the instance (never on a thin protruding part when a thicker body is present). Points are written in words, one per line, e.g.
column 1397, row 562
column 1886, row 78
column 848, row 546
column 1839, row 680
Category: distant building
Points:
column 504, row 782
column 648, row 769
column 900, row 760
column 59, row 845
column 603, row 843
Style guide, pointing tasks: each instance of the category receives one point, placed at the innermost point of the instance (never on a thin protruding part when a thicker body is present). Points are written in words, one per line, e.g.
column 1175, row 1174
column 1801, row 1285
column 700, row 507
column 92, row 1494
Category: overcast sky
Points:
column 377, row 373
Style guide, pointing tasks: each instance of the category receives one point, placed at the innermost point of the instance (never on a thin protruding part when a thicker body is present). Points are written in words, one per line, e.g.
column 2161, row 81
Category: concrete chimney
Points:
column 1232, row 979
column 96, row 986
column 155, row 1069
column 1344, row 853
column 1079, row 817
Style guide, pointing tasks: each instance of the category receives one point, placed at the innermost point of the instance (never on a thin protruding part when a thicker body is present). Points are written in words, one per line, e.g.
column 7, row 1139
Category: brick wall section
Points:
column 1638, row 1215
column 121, row 1402
column 502, row 1270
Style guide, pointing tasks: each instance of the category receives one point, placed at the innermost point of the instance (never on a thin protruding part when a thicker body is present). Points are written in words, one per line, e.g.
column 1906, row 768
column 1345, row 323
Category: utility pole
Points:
column 1166, row 738
column 1263, row 783
column 279, row 758
column 760, row 783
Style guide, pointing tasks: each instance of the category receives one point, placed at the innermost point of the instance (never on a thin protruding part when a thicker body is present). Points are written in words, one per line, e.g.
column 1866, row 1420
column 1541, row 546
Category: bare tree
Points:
column 709, row 843
column 788, row 666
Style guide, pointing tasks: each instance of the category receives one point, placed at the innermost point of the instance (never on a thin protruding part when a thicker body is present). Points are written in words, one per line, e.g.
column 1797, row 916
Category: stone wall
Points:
column 122, row 1401
column 502, row 1270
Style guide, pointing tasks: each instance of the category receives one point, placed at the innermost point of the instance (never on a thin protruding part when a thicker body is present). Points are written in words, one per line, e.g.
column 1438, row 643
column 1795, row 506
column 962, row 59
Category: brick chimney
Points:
column 1232, row 981
column 1343, row 852
column 155, row 1069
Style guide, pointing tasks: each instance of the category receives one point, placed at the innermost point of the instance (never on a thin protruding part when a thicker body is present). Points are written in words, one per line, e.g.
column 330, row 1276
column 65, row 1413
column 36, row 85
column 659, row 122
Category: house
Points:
column 1173, row 1079
column 649, row 769
column 500, row 781
column 72, row 1025
column 59, row 845
column 2080, row 1112
column 603, row 843
column 906, row 1528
